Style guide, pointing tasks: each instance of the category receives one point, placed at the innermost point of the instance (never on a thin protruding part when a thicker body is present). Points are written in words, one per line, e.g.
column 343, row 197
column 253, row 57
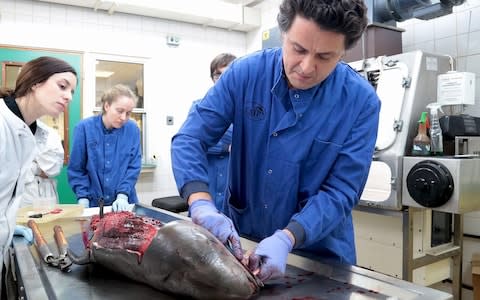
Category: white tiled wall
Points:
column 174, row 77
column 456, row 34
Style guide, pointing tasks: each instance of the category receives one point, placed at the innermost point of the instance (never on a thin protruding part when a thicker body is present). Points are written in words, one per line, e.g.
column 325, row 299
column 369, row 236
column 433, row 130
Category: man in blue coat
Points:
column 304, row 132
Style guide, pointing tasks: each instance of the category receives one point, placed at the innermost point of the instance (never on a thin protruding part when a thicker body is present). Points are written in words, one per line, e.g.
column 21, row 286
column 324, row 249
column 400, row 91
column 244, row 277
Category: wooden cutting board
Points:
column 68, row 210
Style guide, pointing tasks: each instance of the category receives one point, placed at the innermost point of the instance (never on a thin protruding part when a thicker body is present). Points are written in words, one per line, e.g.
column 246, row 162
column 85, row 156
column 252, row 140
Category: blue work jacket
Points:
column 104, row 163
column 299, row 159
column 218, row 157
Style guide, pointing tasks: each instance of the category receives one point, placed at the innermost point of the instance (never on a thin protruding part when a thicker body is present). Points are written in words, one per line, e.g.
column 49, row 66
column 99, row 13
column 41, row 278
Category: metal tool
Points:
column 64, row 261
column 60, row 261
column 40, row 215
column 101, row 203
column 84, row 225
column 244, row 262
column 40, row 243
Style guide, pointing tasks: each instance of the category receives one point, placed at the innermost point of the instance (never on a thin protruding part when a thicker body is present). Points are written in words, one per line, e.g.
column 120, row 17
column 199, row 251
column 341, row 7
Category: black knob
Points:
column 430, row 183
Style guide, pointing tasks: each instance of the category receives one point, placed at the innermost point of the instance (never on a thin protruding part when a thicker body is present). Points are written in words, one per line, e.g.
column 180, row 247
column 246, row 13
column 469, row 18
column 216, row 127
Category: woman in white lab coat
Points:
column 40, row 181
column 44, row 86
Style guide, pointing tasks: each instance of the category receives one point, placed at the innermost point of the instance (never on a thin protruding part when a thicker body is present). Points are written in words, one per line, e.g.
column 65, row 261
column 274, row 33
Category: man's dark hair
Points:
column 220, row 61
column 348, row 17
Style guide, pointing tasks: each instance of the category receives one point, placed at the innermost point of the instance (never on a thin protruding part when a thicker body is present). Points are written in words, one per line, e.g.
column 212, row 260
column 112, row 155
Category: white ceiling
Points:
column 249, row 3
column 238, row 15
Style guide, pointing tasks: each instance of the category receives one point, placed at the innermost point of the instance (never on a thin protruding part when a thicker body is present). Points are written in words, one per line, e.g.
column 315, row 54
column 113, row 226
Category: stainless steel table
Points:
column 305, row 278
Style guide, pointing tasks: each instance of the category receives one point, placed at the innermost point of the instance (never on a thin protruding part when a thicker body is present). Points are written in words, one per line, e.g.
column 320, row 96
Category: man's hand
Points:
column 24, row 231
column 270, row 257
column 205, row 214
column 121, row 203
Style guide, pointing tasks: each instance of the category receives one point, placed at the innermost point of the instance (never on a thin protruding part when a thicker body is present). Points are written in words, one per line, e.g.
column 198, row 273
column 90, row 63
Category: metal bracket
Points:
column 406, row 82
column 398, row 125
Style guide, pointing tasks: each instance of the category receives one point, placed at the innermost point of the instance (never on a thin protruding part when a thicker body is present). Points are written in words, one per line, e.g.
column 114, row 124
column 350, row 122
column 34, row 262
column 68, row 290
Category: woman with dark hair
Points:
column 106, row 157
column 304, row 132
column 44, row 86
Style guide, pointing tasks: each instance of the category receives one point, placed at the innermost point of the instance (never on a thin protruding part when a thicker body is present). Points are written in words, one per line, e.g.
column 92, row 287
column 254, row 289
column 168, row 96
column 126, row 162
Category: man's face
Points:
column 310, row 53
column 218, row 72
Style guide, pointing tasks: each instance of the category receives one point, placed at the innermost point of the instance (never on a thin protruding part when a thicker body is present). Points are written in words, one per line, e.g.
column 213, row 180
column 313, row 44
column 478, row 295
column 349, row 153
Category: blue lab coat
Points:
column 300, row 158
column 218, row 157
column 104, row 163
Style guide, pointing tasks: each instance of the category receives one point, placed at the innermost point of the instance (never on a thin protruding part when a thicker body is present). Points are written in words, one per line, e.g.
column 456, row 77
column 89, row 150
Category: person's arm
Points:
column 8, row 150
column 50, row 158
column 269, row 261
column 127, row 183
column 204, row 213
column 204, row 126
column 32, row 172
column 324, row 211
column 344, row 184
column 206, row 123
column 223, row 146
column 77, row 165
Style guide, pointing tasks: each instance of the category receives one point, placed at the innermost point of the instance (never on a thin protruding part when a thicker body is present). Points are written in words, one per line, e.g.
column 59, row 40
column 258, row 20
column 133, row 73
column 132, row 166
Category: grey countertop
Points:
column 305, row 278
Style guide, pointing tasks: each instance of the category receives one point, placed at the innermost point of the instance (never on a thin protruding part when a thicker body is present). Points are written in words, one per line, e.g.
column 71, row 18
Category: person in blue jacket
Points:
column 105, row 161
column 304, row 132
column 218, row 155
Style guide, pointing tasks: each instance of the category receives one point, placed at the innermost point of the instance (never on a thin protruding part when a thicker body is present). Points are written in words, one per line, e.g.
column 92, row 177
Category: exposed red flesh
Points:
column 124, row 230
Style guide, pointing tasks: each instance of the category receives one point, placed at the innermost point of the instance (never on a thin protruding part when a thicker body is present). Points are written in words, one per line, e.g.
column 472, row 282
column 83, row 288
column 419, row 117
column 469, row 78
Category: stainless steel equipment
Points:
column 305, row 278
column 448, row 184
column 410, row 192
column 383, row 11
column 405, row 84
column 467, row 145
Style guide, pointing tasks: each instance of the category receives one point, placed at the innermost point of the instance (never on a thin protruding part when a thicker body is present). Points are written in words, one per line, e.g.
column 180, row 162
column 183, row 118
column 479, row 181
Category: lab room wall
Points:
column 457, row 35
column 174, row 76
column 269, row 11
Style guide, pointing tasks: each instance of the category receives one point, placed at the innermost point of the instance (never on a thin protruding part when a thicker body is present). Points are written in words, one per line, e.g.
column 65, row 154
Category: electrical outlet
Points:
column 152, row 159
column 173, row 40
column 169, row 120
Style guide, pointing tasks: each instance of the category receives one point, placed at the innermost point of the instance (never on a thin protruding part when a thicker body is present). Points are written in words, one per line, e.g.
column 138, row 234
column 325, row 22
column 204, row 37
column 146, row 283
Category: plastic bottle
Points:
column 436, row 135
column 421, row 142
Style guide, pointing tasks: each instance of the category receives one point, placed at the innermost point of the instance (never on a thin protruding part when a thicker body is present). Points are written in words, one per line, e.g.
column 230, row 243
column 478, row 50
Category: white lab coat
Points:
column 49, row 159
column 17, row 150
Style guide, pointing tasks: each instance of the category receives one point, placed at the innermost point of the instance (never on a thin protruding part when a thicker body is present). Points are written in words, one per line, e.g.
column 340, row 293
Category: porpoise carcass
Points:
column 179, row 257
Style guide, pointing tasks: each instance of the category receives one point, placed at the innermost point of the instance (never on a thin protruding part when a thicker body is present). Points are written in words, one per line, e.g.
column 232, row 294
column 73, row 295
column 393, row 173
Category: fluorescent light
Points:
column 103, row 74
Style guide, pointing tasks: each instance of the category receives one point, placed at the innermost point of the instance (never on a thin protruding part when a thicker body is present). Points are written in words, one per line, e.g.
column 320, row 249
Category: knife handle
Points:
column 40, row 242
column 37, row 235
column 60, row 239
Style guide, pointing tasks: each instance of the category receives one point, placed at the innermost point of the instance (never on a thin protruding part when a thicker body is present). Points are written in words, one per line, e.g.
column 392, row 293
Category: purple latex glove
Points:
column 205, row 214
column 270, row 256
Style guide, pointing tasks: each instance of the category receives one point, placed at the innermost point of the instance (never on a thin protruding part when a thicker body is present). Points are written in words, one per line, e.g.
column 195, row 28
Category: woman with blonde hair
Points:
column 106, row 158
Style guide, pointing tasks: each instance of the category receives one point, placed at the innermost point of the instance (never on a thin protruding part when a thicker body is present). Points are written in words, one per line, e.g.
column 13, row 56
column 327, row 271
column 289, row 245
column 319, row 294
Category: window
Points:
column 109, row 73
